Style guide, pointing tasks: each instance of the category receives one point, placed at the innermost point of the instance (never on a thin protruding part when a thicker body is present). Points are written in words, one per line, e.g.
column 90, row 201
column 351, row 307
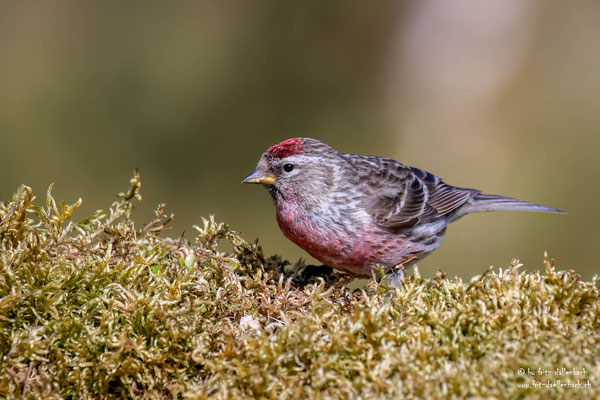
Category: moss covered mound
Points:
column 104, row 309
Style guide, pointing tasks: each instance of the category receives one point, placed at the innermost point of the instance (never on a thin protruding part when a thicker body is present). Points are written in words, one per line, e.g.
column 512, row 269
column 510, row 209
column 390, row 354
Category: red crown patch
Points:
column 286, row 148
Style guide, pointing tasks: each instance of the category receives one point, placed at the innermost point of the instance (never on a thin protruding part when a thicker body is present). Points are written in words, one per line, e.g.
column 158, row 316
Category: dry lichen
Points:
column 102, row 309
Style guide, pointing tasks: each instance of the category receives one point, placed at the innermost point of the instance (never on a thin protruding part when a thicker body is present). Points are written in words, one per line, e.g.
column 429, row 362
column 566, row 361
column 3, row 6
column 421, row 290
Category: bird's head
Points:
column 296, row 169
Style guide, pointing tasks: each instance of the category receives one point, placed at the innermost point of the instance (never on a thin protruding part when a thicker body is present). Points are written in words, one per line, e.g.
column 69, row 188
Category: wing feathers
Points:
column 420, row 197
column 446, row 198
column 398, row 196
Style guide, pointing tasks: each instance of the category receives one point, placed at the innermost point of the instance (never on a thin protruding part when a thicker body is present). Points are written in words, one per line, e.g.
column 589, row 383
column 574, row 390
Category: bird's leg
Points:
column 396, row 276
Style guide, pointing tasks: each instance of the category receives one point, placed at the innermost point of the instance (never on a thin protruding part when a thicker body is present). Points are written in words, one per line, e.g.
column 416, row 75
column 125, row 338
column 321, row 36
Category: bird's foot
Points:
column 396, row 276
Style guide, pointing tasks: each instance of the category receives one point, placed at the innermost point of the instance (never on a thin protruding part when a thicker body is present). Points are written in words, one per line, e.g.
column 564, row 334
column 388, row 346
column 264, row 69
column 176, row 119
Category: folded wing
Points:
column 408, row 196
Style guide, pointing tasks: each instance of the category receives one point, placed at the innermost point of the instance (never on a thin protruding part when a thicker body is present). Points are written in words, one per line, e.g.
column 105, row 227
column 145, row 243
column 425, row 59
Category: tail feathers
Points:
column 486, row 202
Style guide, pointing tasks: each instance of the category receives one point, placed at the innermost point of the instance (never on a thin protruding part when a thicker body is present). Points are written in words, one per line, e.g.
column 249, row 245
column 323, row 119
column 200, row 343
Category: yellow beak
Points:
column 261, row 177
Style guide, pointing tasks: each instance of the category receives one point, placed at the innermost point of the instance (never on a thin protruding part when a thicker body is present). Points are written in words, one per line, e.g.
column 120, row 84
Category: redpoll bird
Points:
column 354, row 212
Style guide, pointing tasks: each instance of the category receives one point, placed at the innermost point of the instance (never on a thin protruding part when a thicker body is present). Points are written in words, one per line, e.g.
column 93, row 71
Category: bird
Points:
column 359, row 213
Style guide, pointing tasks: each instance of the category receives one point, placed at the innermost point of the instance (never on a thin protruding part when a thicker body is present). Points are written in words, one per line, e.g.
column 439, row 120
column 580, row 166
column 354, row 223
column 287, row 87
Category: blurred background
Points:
column 498, row 95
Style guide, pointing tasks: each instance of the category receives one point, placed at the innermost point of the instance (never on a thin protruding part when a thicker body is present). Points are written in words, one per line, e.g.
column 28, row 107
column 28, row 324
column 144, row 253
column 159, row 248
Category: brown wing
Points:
column 409, row 196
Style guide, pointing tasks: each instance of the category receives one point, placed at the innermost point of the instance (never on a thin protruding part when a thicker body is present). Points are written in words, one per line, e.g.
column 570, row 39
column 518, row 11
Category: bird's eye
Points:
column 288, row 167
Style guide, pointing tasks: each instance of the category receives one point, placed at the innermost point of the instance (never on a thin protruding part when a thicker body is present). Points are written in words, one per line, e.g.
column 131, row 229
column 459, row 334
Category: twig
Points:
column 472, row 284
column 26, row 382
column 12, row 210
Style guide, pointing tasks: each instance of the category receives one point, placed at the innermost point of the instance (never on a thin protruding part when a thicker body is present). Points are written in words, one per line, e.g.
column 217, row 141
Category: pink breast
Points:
column 334, row 248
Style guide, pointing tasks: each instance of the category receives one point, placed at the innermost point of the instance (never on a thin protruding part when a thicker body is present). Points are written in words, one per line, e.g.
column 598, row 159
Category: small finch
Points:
column 354, row 212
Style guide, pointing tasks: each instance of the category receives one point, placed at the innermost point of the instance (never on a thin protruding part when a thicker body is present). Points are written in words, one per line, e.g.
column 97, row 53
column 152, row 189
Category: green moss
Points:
column 105, row 309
